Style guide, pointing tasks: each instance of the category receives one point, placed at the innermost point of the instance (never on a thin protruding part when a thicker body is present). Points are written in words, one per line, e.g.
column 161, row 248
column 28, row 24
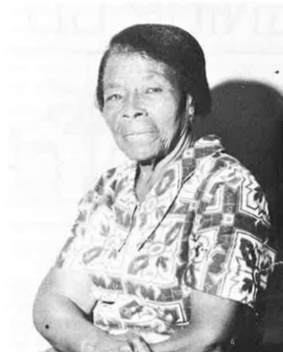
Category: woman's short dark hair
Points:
column 168, row 44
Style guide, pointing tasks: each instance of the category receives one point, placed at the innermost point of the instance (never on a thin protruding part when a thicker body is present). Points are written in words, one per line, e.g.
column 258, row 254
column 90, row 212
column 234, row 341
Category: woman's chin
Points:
column 141, row 155
column 140, row 150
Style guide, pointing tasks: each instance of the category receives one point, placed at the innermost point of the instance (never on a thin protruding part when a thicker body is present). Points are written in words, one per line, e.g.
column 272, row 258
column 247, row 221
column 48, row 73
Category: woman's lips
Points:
column 138, row 133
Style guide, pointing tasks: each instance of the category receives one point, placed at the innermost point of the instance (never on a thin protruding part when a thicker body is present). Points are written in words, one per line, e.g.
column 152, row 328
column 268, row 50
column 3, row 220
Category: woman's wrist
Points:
column 100, row 341
column 91, row 340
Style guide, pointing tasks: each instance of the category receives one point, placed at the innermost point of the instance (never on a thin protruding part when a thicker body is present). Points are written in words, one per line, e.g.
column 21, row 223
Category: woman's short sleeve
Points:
column 229, row 255
column 81, row 242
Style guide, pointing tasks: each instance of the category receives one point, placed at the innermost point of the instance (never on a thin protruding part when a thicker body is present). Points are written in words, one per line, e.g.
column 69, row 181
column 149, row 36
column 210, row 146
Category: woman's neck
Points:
column 149, row 173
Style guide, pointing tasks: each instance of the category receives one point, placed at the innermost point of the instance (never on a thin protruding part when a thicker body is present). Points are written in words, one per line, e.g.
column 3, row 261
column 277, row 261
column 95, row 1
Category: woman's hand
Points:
column 107, row 343
column 139, row 345
column 126, row 343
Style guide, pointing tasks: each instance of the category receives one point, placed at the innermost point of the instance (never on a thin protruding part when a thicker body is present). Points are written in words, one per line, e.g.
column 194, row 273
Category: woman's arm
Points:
column 60, row 314
column 211, row 329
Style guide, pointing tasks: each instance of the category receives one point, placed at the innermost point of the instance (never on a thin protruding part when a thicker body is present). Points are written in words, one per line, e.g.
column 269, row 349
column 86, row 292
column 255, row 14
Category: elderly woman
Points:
column 170, row 247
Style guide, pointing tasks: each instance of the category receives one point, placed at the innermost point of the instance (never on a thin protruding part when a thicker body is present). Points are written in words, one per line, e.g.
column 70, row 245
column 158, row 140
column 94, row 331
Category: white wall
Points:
column 57, row 141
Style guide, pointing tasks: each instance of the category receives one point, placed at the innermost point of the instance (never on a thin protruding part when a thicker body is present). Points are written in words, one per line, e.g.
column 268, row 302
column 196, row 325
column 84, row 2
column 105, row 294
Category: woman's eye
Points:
column 113, row 97
column 154, row 90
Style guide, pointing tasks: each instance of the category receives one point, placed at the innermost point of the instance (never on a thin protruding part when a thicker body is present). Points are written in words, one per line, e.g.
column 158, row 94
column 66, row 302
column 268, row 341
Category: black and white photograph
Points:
column 143, row 176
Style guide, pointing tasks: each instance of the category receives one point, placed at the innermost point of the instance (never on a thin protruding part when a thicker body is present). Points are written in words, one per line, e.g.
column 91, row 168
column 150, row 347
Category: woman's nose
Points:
column 133, row 107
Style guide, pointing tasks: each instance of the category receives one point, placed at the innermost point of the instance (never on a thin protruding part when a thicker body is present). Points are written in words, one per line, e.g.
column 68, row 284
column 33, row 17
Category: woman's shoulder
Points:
column 109, row 178
column 215, row 161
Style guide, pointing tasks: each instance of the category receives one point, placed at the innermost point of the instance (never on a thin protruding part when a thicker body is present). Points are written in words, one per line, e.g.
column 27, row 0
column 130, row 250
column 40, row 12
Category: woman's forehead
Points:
column 120, row 64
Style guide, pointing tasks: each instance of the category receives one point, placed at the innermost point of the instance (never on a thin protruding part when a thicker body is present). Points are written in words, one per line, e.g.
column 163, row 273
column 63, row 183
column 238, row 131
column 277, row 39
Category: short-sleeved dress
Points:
column 204, row 226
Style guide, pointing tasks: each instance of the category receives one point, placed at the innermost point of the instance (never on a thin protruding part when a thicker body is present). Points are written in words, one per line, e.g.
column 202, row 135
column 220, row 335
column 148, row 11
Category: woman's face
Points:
column 141, row 106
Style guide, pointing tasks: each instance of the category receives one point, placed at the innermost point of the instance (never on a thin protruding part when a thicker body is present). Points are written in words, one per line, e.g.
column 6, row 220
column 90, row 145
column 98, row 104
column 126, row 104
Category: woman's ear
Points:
column 96, row 104
column 190, row 109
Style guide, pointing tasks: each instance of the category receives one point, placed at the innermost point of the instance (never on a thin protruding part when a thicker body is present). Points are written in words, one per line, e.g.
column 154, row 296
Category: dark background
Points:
column 248, row 116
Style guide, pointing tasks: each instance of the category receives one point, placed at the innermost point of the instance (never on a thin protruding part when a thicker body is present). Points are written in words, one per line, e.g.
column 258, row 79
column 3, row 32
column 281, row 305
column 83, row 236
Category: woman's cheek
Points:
column 111, row 118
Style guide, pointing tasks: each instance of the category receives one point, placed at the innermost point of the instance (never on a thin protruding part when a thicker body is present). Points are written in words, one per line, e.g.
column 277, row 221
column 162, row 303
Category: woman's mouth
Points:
column 140, row 137
column 138, row 133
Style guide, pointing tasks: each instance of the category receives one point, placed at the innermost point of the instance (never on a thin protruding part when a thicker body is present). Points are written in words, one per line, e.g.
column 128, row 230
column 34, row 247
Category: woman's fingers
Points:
column 126, row 349
column 139, row 345
column 108, row 346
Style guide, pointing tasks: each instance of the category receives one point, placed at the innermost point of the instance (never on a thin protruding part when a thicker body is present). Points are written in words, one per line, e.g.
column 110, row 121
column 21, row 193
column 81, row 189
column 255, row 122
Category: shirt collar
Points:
column 162, row 196
column 174, row 177
column 195, row 154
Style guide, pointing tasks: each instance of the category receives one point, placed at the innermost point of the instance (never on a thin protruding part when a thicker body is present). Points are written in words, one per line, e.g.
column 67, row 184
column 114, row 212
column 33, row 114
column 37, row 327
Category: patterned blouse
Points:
column 204, row 226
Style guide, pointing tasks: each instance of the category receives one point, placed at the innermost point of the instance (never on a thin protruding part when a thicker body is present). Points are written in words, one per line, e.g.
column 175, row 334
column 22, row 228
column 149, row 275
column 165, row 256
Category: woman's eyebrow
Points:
column 112, row 85
column 148, row 76
column 155, row 74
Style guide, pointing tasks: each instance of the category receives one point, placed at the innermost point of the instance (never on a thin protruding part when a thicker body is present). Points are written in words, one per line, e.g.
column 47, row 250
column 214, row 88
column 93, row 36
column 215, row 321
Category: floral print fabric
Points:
column 203, row 226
